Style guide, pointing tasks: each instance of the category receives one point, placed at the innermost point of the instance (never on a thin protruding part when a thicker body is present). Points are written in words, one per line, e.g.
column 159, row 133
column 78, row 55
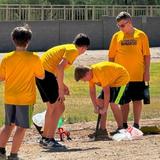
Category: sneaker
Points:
column 13, row 158
column 101, row 133
column 2, row 156
column 43, row 142
column 116, row 131
column 53, row 144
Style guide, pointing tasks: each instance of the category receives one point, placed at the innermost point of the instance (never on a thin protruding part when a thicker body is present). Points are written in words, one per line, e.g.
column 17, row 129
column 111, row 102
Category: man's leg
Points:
column 117, row 114
column 137, row 109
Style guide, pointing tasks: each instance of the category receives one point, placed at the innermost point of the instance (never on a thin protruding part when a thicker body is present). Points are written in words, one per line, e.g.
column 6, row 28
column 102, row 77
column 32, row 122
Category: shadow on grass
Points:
column 70, row 149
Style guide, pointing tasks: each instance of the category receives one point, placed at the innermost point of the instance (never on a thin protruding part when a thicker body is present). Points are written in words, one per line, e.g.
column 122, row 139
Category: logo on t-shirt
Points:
column 129, row 42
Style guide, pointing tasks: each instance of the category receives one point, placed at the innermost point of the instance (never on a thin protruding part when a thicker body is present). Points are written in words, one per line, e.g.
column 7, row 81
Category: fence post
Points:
column 93, row 13
column 29, row 13
column 64, row 12
column 42, row 13
column 86, row 13
column 151, row 11
column 7, row 12
column 72, row 12
column 132, row 11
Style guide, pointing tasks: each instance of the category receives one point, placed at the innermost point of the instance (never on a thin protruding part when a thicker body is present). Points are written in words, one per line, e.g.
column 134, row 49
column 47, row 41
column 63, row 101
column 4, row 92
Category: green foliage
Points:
column 83, row 2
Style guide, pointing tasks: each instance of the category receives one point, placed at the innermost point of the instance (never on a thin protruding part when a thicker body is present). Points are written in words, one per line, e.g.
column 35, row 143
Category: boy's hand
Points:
column 103, row 110
column 61, row 97
column 66, row 90
column 96, row 109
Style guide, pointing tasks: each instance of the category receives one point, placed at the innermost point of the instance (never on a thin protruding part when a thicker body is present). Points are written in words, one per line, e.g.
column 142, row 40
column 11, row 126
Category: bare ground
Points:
column 83, row 148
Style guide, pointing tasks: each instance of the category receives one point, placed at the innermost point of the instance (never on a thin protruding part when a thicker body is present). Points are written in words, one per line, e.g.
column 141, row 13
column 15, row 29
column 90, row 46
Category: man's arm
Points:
column 146, row 76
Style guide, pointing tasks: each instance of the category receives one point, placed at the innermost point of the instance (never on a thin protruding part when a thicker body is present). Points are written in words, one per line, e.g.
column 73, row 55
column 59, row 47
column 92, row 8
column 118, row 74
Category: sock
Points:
column 136, row 125
column 2, row 150
column 14, row 155
column 45, row 138
column 125, row 125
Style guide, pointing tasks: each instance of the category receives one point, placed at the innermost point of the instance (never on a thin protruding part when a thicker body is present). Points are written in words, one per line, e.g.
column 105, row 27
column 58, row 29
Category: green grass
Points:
column 79, row 107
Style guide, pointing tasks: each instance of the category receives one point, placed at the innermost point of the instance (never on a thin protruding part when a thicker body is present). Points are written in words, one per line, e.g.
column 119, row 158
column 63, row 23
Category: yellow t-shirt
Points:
column 129, row 51
column 18, row 69
column 109, row 74
column 52, row 57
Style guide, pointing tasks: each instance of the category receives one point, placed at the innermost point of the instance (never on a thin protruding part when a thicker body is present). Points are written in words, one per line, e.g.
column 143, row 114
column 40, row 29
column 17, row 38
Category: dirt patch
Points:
column 83, row 148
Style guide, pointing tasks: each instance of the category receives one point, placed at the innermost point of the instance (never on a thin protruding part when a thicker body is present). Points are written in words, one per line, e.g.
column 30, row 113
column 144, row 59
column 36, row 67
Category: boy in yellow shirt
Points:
column 18, row 70
column 113, row 79
column 52, row 89
column 130, row 48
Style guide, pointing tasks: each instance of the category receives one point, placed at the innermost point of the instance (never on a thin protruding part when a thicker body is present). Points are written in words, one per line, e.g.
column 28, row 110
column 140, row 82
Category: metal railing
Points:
column 17, row 12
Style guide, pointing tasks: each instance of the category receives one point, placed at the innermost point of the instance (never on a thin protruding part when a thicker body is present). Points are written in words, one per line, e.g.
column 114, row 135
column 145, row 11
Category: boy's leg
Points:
column 137, row 109
column 5, row 134
column 125, row 112
column 48, row 120
column 103, row 116
column 54, row 111
column 117, row 114
column 17, row 139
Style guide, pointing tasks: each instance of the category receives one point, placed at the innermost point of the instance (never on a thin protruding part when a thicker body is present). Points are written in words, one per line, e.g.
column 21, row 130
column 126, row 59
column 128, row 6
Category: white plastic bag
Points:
column 135, row 133
column 39, row 119
column 122, row 135
column 130, row 133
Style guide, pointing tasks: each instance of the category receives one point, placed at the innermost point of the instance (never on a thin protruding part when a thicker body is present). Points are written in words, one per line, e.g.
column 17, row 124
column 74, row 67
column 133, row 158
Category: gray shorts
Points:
column 20, row 115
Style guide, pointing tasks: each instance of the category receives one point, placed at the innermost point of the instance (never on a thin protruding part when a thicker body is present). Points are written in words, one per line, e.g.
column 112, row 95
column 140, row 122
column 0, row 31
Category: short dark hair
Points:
column 21, row 35
column 80, row 72
column 123, row 15
column 81, row 40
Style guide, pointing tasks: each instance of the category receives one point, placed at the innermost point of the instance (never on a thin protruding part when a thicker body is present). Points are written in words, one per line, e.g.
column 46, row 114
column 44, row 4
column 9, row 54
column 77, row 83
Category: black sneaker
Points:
column 13, row 158
column 53, row 144
column 116, row 131
column 2, row 156
column 101, row 133
column 43, row 141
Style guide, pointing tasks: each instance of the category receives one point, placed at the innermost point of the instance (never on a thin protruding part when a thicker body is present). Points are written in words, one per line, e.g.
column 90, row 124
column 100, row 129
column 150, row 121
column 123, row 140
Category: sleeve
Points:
column 2, row 70
column 39, row 70
column 70, row 56
column 113, row 47
column 145, row 45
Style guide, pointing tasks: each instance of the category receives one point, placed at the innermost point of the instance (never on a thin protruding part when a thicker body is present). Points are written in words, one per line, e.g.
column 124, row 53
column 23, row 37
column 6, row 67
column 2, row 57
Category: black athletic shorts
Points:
column 48, row 87
column 117, row 95
column 134, row 91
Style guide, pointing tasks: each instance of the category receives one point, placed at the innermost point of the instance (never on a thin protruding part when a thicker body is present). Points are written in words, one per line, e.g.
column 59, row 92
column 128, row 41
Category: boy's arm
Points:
column 106, row 91
column 111, row 59
column 146, row 68
column 92, row 90
column 38, row 68
column 60, row 78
